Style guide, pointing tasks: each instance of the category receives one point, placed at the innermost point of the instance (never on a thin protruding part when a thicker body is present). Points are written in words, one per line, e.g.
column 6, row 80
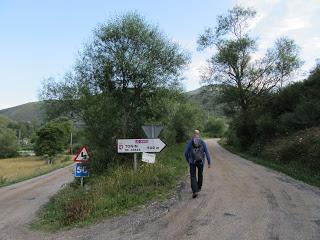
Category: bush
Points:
column 8, row 143
column 245, row 130
column 3, row 180
column 301, row 148
column 215, row 127
column 186, row 117
column 76, row 147
column 232, row 139
column 114, row 192
column 50, row 141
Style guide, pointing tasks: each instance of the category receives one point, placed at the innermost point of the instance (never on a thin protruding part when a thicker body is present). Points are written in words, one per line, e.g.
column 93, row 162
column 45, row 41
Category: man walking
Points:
column 195, row 153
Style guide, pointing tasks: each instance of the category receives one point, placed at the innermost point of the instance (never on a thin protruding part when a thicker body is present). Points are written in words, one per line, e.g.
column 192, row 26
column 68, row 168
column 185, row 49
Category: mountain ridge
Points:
column 34, row 112
column 27, row 112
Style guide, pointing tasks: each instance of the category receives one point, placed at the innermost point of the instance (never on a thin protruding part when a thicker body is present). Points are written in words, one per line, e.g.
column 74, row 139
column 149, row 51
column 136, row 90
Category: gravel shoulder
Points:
column 239, row 200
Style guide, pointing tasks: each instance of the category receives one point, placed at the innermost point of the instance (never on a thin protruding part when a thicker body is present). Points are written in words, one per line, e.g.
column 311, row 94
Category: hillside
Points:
column 205, row 96
column 25, row 113
column 208, row 98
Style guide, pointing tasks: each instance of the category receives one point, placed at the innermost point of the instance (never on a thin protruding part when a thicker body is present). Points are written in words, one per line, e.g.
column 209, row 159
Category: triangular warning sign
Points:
column 83, row 155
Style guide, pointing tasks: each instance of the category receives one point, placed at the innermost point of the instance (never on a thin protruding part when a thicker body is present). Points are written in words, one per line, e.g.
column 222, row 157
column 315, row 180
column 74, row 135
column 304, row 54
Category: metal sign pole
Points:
column 81, row 181
column 152, row 132
column 135, row 162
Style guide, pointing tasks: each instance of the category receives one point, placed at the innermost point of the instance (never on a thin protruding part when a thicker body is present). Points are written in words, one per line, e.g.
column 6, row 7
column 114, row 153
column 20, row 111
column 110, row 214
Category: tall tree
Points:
column 118, row 80
column 242, row 77
column 49, row 141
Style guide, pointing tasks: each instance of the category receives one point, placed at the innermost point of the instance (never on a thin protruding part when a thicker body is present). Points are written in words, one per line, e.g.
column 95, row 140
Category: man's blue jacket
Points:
column 188, row 151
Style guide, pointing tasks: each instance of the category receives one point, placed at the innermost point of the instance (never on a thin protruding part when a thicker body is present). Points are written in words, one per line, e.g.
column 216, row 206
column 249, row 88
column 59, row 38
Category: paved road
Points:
column 239, row 201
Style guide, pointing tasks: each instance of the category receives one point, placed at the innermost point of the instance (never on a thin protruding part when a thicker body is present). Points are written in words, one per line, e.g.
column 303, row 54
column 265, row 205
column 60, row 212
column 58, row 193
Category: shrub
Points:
column 50, row 141
column 8, row 143
column 215, row 127
column 301, row 148
column 3, row 180
column 114, row 192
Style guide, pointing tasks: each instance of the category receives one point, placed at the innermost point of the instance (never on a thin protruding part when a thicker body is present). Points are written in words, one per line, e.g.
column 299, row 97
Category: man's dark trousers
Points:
column 196, row 184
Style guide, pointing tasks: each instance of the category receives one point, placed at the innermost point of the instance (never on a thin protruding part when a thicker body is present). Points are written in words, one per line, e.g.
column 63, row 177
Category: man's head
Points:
column 196, row 133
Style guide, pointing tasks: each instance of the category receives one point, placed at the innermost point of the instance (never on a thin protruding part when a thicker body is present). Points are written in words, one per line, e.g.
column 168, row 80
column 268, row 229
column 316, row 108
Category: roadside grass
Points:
column 114, row 193
column 13, row 170
column 295, row 170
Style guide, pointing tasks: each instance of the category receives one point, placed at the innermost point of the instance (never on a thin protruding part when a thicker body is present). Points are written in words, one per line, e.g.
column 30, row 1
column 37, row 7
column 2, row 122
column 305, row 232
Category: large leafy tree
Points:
column 49, row 141
column 118, row 80
column 245, row 79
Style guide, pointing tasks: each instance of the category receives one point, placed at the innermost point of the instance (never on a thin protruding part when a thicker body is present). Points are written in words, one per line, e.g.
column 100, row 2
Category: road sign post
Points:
column 81, row 182
column 149, row 157
column 135, row 162
column 152, row 131
column 140, row 145
column 81, row 168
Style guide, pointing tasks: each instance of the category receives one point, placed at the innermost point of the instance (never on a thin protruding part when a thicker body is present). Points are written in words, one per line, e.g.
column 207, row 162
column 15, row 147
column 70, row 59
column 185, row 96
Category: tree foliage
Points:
column 295, row 107
column 8, row 143
column 4, row 121
column 53, row 138
column 123, row 79
column 244, row 79
column 215, row 127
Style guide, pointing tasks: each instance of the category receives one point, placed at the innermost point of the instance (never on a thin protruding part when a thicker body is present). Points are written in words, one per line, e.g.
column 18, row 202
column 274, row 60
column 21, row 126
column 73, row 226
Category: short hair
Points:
column 196, row 132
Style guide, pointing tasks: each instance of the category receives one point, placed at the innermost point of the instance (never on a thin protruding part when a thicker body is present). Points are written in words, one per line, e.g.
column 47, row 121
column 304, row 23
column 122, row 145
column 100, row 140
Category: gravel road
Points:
column 240, row 200
column 19, row 202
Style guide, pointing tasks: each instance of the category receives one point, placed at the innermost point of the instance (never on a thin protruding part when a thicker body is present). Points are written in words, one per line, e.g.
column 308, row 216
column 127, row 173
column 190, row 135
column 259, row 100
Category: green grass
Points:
column 113, row 193
column 13, row 170
column 293, row 169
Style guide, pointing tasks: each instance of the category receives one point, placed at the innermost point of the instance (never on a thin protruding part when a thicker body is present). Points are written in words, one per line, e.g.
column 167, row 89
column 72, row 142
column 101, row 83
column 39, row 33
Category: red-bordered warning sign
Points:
column 83, row 155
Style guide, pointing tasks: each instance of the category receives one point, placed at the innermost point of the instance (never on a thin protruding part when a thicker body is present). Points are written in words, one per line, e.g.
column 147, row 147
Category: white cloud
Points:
column 192, row 74
column 296, row 19
column 294, row 23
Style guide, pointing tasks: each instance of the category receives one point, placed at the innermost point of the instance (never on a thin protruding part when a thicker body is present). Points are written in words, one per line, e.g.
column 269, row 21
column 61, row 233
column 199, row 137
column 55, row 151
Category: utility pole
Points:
column 71, row 143
column 135, row 161
column 19, row 136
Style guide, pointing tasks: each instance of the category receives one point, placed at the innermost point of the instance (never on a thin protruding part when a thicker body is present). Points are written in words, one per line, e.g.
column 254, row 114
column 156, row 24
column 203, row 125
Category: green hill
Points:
column 25, row 113
column 207, row 97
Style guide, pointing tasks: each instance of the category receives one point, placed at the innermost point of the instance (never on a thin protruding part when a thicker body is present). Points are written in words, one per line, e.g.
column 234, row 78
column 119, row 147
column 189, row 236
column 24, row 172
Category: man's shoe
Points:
column 199, row 189
column 194, row 195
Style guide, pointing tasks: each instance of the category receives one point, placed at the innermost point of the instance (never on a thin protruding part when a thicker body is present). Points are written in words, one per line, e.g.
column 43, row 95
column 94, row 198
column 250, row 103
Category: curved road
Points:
column 240, row 200
column 19, row 202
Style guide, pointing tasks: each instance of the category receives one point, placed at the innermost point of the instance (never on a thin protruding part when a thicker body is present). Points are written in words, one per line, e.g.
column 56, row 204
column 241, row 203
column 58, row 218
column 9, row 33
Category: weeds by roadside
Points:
column 293, row 169
column 22, row 168
column 113, row 193
column 3, row 180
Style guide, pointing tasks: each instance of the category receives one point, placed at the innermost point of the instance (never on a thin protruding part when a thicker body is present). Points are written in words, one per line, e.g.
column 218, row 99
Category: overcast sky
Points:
column 41, row 39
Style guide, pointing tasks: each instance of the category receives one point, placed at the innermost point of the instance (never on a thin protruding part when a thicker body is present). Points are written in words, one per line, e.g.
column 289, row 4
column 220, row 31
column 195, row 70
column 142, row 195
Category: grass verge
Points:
column 293, row 169
column 113, row 193
column 13, row 170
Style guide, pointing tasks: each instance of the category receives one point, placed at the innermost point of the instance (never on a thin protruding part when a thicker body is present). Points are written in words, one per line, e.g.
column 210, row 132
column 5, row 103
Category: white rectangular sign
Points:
column 148, row 157
column 140, row 145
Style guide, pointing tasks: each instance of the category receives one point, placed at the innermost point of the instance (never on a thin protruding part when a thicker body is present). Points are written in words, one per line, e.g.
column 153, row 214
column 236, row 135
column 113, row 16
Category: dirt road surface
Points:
column 239, row 201
column 19, row 202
